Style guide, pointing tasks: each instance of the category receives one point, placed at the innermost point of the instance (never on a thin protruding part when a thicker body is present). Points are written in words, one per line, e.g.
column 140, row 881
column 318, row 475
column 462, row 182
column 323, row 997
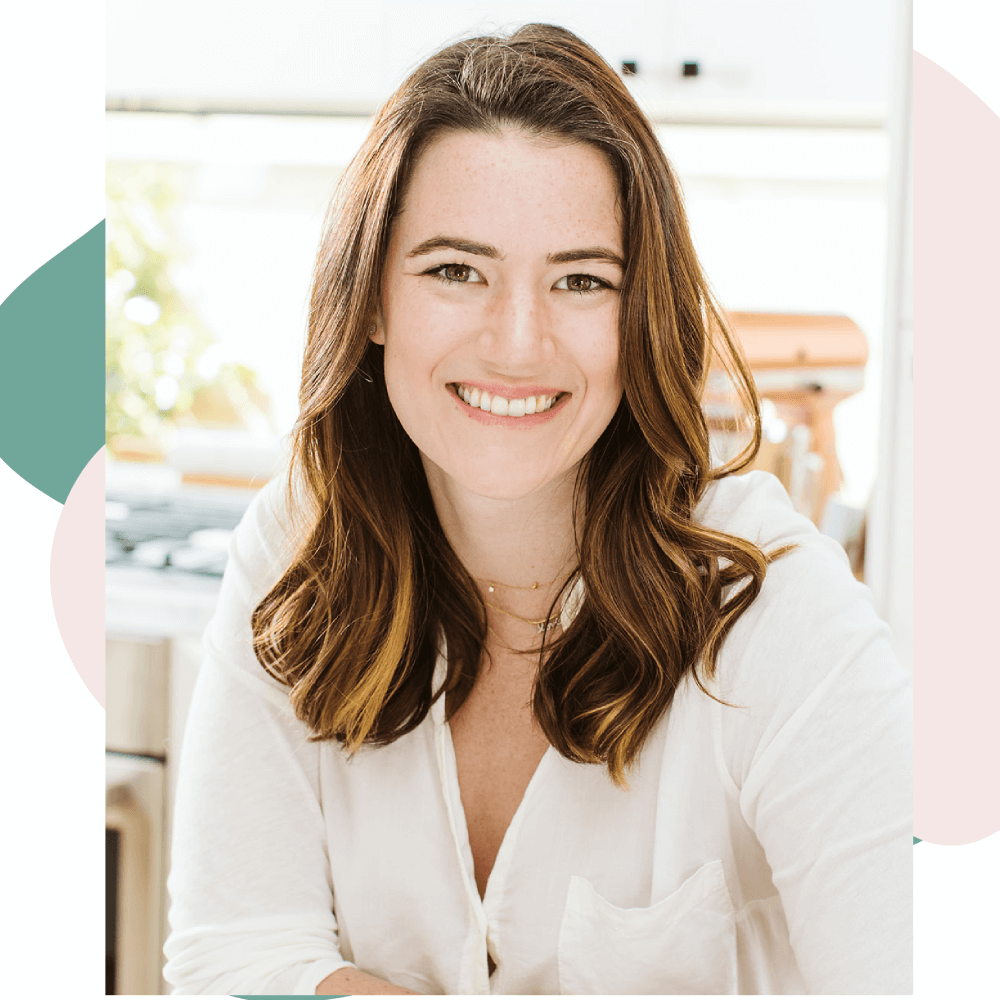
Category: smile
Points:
column 480, row 399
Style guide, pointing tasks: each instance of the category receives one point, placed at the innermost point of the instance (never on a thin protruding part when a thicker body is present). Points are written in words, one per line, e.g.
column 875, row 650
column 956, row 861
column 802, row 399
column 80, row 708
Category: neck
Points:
column 520, row 541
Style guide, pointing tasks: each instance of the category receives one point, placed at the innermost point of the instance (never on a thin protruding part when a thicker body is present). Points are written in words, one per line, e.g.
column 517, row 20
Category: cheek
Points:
column 601, row 363
column 402, row 383
column 421, row 332
column 415, row 345
column 409, row 354
column 606, row 386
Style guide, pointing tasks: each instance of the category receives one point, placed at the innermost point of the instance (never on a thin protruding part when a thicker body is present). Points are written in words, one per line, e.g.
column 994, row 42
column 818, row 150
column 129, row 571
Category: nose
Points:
column 516, row 336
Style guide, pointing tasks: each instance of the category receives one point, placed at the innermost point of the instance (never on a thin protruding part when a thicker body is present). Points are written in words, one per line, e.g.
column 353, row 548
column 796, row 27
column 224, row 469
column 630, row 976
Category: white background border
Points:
column 51, row 727
column 51, row 75
column 956, row 918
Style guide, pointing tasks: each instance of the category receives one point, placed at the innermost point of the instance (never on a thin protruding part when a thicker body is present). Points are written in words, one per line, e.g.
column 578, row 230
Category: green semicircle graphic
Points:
column 51, row 372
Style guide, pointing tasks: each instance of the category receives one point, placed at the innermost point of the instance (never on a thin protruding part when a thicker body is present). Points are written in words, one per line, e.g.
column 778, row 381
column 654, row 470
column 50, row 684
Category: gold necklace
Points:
column 510, row 586
column 511, row 649
column 543, row 624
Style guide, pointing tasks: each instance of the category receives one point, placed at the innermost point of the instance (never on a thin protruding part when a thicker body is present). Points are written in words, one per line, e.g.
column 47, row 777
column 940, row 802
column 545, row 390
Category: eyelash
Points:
column 599, row 283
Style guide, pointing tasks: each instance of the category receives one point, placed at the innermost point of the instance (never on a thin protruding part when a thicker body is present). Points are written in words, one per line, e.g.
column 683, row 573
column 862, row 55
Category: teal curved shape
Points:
column 52, row 368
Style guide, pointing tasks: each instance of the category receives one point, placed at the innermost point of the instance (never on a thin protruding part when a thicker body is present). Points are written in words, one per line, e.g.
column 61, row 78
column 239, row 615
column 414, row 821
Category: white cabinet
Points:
column 136, row 699
column 823, row 58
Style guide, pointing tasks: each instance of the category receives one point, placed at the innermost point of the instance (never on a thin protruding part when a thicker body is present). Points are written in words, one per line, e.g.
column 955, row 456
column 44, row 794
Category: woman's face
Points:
column 500, row 310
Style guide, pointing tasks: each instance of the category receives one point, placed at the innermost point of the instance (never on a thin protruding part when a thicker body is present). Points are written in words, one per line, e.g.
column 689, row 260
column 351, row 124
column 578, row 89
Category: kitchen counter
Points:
column 147, row 602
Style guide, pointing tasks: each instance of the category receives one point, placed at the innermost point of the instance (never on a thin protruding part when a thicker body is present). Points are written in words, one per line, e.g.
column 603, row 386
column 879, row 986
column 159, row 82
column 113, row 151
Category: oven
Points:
column 165, row 554
column 134, row 842
column 135, row 809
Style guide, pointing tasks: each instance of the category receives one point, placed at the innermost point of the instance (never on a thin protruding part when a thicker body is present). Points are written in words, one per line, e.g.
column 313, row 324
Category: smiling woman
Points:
column 509, row 690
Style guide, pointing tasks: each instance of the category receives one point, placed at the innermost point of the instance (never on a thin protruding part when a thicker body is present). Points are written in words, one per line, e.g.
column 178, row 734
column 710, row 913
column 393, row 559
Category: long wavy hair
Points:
column 354, row 626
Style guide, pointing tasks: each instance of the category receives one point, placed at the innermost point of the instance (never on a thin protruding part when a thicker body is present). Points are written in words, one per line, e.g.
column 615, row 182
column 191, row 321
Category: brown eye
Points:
column 581, row 283
column 456, row 274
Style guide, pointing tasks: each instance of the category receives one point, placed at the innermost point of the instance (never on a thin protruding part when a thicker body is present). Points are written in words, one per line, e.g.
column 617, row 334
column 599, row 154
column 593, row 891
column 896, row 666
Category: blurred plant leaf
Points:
column 156, row 364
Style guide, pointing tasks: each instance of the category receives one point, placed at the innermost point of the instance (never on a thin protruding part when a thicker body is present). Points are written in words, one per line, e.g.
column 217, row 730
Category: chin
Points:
column 493, row 480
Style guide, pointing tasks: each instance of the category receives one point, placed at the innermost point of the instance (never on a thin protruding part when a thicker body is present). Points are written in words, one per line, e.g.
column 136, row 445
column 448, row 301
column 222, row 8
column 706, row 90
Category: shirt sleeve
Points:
column 251, row 894
column 820, row 748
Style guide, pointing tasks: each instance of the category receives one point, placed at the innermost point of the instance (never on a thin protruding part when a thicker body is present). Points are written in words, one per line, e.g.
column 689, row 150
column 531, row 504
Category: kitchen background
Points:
column 228, row 125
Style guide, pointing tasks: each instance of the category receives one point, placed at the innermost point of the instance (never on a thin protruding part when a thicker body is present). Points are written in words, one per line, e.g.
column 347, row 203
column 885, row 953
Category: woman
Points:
column 509, row 691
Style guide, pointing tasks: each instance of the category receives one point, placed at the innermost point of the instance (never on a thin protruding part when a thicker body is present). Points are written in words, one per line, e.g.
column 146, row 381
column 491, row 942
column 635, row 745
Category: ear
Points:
column 376, row 332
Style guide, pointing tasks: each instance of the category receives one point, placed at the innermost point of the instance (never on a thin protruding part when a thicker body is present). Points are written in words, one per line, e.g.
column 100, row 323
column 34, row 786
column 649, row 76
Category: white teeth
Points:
column 482, row 400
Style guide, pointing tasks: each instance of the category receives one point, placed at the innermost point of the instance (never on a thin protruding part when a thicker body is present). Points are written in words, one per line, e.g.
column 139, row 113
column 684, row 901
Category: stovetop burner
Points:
column 186, row 532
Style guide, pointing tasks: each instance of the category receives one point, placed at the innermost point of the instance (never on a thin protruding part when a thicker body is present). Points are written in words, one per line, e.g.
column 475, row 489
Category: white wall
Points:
column 889, row 554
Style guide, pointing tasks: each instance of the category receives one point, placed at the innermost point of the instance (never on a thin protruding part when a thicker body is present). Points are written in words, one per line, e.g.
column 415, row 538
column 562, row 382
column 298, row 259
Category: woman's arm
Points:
column 822, row 756
column 353, row 982
column 252, row 904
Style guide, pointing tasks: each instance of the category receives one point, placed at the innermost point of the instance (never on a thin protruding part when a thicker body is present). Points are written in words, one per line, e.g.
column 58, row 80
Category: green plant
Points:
column 163, row 367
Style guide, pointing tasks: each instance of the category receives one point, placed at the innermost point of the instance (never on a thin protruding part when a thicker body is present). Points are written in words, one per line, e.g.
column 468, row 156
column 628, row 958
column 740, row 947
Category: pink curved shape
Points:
column 76, row 575
column 956, row 344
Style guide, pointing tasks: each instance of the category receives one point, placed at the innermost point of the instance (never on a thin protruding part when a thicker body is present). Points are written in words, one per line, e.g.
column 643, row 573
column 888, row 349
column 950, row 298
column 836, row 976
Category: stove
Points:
column 187, row 531
column 166, row 545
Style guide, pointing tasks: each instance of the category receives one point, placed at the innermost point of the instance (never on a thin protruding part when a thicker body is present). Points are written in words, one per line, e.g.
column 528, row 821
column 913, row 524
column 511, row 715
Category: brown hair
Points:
column 353, row 625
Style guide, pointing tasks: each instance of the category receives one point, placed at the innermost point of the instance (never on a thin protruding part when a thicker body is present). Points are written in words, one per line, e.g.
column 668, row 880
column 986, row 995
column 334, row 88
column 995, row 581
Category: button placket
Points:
column 448, row 773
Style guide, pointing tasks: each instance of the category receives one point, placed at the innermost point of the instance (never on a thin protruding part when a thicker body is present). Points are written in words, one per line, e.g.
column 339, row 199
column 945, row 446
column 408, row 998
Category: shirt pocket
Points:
column 684, row 944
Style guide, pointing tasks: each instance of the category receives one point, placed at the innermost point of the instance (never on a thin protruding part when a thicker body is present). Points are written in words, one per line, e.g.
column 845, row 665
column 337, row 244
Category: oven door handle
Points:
column 132, row 945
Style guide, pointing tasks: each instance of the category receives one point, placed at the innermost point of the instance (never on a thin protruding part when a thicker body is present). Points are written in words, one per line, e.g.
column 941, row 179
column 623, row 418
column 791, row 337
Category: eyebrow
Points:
column 455, row 243
column 587, row 253
column 488, row 250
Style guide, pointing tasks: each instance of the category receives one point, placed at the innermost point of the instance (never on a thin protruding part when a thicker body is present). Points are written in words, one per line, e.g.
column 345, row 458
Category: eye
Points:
column 455, row 274
column 583, row 284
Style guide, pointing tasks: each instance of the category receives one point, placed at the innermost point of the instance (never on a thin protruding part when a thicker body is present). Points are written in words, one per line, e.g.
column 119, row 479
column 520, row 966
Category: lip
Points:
column 493, row 420
column 510, row 391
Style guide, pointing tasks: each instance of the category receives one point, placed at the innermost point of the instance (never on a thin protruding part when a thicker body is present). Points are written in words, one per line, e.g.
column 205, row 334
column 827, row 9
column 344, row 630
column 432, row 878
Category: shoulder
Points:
column 265, row 541
column 809, row 580
column 756, row 507
column 813, row 623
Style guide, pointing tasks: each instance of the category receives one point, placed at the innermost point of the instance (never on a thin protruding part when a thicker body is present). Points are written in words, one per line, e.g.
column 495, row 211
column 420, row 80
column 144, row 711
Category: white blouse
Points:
column 760, row 848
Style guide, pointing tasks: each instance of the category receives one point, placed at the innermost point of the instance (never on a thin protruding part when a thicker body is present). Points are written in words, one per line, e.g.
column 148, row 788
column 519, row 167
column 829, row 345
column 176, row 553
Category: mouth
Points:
column 502, row 406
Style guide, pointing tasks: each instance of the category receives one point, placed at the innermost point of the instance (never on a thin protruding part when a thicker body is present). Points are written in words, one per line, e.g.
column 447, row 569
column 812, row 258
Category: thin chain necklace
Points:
column 511, row 649
column 542, row 624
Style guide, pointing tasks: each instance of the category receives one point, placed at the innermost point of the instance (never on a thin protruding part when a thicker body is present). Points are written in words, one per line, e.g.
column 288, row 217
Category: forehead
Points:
column 512, row 190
